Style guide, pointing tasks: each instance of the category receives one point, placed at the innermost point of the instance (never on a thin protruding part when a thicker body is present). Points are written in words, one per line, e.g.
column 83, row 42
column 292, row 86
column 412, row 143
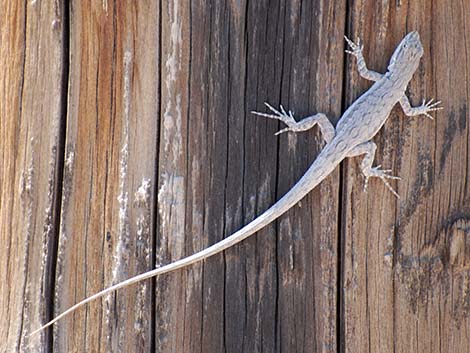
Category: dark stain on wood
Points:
column 439, row 268
column 449, row 134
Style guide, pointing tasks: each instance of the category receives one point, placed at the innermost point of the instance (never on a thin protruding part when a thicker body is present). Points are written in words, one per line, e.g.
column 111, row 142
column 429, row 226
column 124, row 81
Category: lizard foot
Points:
column 429, row 106
column 356, row 48
column 286, row 117
column 383, row 174
column 320, row 119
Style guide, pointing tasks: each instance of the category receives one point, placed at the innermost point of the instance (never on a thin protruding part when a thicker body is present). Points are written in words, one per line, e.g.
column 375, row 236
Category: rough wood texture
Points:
column 405, row 274
column 126, row 142
column 31, row 108
column 109, row 175
column 222, row 158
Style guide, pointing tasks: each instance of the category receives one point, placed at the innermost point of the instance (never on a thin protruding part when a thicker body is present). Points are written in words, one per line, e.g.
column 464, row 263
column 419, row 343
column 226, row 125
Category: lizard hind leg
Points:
column 368, row 149
column 327, row 129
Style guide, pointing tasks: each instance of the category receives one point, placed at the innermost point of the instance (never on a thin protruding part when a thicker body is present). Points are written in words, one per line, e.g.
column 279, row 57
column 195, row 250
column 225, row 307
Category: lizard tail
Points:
column 309, row 180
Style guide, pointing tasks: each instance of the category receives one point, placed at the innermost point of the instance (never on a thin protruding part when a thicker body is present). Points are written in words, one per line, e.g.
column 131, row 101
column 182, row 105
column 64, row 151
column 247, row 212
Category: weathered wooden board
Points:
column 405, row 273
column 109, row 175
column 220, row 166
column 31, row 107
column 127, row 142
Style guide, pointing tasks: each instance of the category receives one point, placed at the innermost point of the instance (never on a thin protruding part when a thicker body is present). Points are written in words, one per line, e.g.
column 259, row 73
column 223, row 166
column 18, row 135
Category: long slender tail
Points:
column 314, row 175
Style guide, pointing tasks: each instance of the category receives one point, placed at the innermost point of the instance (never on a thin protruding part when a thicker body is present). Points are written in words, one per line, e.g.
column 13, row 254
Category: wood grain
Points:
column 127, row 142
column 220, row 158
column 31, row 112
column 107, row 214
column 403, row 287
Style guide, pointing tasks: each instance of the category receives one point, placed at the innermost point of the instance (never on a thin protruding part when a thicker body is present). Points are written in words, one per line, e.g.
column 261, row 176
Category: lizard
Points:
column 352, row 137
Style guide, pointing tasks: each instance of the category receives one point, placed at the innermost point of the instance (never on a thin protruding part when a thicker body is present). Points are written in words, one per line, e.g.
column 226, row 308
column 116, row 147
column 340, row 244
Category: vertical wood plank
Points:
column 172, row 171
column 31, row 114
column 109, row 175
column 308, row 236
column 405, row 273
column 220, row 167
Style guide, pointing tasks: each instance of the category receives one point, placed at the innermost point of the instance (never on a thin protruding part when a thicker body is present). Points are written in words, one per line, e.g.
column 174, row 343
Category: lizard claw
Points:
column 429, row 106
column 383, row 174
column 282, row 131
column 356, row 48
column 282, row 115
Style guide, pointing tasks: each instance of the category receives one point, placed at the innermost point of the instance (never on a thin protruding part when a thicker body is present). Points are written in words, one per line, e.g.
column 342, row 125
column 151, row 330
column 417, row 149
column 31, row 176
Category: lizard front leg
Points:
column 364, row 72
column 327, row 129
column 424, row 108
column 368, row 148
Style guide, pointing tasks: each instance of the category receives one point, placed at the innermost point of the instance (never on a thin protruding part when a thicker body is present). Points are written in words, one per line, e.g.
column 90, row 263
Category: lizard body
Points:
column 352, row 137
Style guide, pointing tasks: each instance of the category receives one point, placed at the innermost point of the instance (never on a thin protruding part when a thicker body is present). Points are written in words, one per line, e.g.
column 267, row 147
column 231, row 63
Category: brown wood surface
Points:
column 405, row 270
column 32, row 91
column 126, row 142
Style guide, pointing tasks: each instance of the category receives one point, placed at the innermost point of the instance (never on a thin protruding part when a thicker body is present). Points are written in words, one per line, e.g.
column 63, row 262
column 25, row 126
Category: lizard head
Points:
column 407, row 54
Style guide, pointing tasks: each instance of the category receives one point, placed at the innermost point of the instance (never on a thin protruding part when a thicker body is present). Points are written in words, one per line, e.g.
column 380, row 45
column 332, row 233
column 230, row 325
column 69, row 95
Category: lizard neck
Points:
column 399, row 80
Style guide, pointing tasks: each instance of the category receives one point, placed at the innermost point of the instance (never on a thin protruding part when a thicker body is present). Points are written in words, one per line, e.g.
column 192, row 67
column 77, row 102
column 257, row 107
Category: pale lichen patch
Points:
column 144, row 219
column 172, row 116
column 171, row 209
column 141, row 320
column 122, row 253
column 26, row 182
column 173, row 62
column 63, row 234
column 27, row 196
column 48, row 226
column 104, row 4
column 142, row 195
column 69, row 159
column 172, row 128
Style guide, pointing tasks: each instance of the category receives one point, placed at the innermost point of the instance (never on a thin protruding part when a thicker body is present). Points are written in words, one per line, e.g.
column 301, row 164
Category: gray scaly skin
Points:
column 352, row 137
